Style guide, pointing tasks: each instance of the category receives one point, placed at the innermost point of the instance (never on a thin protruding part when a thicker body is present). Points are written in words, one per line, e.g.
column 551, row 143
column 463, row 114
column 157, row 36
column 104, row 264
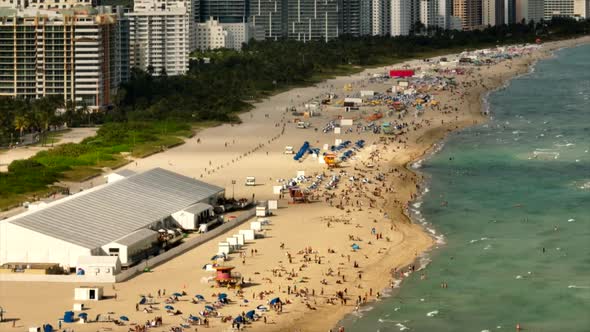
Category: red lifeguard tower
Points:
column 224, row 277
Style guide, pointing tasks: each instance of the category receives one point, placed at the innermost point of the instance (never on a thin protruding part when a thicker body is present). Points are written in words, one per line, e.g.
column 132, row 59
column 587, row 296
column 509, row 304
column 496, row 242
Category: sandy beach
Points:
column 305, row 258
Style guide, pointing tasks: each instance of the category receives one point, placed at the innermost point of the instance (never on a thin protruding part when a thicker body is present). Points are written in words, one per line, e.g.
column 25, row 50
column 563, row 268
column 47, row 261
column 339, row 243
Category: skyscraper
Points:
column 162, row 34
column 493, row 12
column 267, row 16
column 582, row 9
column 400, row 17
column 510, row 11
column 225, row 11
column 74, row 53
column 435, row 13
column 469, row 11
column 529, row 10
column 312, row 19
column 350, row 17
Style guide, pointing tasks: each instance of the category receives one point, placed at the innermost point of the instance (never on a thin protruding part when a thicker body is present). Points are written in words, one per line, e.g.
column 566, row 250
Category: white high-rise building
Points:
column 400, row 17
column 567, row 8
column 529, row 10
column 162, row 34
column 492, row 12
column 380, row 17
column 428, row 13
column 74, row 53
column 210, row 35
column 436, row 13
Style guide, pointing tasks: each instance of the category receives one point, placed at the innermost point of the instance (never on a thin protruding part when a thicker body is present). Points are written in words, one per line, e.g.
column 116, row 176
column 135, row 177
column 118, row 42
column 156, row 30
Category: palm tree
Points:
column 21, row 123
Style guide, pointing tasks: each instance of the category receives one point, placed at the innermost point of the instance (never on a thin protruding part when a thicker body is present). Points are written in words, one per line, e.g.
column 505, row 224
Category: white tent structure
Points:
column 85, row 224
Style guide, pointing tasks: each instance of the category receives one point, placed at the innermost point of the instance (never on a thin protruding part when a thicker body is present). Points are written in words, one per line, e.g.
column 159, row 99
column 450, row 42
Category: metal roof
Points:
column 198, row 208
column 104, row 214
column 125, row 172
column 137, row 236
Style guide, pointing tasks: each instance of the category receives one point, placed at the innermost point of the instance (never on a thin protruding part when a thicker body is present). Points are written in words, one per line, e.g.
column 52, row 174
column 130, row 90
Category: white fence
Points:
column 185, row 246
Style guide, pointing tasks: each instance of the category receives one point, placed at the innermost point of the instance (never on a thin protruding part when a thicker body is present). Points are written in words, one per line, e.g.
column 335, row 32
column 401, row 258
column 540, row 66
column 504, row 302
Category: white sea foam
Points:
column 432, row 313
column 417, row 205
column 402, row 327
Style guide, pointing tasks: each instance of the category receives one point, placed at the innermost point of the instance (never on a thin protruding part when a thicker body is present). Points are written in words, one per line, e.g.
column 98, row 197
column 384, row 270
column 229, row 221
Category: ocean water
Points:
column 517, row 224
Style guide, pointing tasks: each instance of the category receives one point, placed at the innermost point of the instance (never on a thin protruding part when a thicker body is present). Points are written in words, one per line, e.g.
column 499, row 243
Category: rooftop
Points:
column 110, row 212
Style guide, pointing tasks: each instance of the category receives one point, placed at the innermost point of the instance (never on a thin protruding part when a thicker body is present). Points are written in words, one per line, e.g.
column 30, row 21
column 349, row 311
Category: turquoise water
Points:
column 504, row 207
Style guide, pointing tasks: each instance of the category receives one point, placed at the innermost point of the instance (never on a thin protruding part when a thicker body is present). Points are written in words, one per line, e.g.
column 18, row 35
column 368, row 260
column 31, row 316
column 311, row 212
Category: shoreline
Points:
column 486, row 115
column 299, row 226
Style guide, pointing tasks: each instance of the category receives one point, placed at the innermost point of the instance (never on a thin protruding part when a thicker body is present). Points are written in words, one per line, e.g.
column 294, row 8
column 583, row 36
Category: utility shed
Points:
column 82, row 224
column 98, row 265
column 192, row 216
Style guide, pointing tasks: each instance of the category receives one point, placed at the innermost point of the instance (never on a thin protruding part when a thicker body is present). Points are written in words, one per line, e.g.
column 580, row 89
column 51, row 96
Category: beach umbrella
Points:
column 176, row 294
column 250, row 314
column 222, row 296
column 239, row 319
column 355, row 247
column 124, row 318
column 275, row 300
column 48, row 328
column 200, row 297
column 83, row 315
column 193, row 318
column 169, row 307
column 209, row 308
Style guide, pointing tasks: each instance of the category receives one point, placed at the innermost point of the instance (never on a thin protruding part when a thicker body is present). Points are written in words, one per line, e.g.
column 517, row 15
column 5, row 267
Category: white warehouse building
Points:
column 121, row 218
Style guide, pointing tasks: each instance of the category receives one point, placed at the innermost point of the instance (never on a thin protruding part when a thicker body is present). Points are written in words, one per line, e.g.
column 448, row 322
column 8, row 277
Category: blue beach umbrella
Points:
column 124, row 318
column 169, row 307
column 83, row 315
column 239, row 319
column 200, row 297
column 250, row 314
column 209, row 308
column 222, row 296
column 48, row 328
column 176, row 294
column 275, row 300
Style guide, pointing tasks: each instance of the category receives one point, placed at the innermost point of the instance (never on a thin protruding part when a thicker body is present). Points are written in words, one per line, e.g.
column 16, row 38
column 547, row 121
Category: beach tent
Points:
column 124, row 318
column 250, row 314
column 69, row 317
column 48, row 328
column 275, row 301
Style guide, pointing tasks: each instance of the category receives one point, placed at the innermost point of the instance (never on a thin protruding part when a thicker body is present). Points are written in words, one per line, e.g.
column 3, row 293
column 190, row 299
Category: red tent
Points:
column 401, row 73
